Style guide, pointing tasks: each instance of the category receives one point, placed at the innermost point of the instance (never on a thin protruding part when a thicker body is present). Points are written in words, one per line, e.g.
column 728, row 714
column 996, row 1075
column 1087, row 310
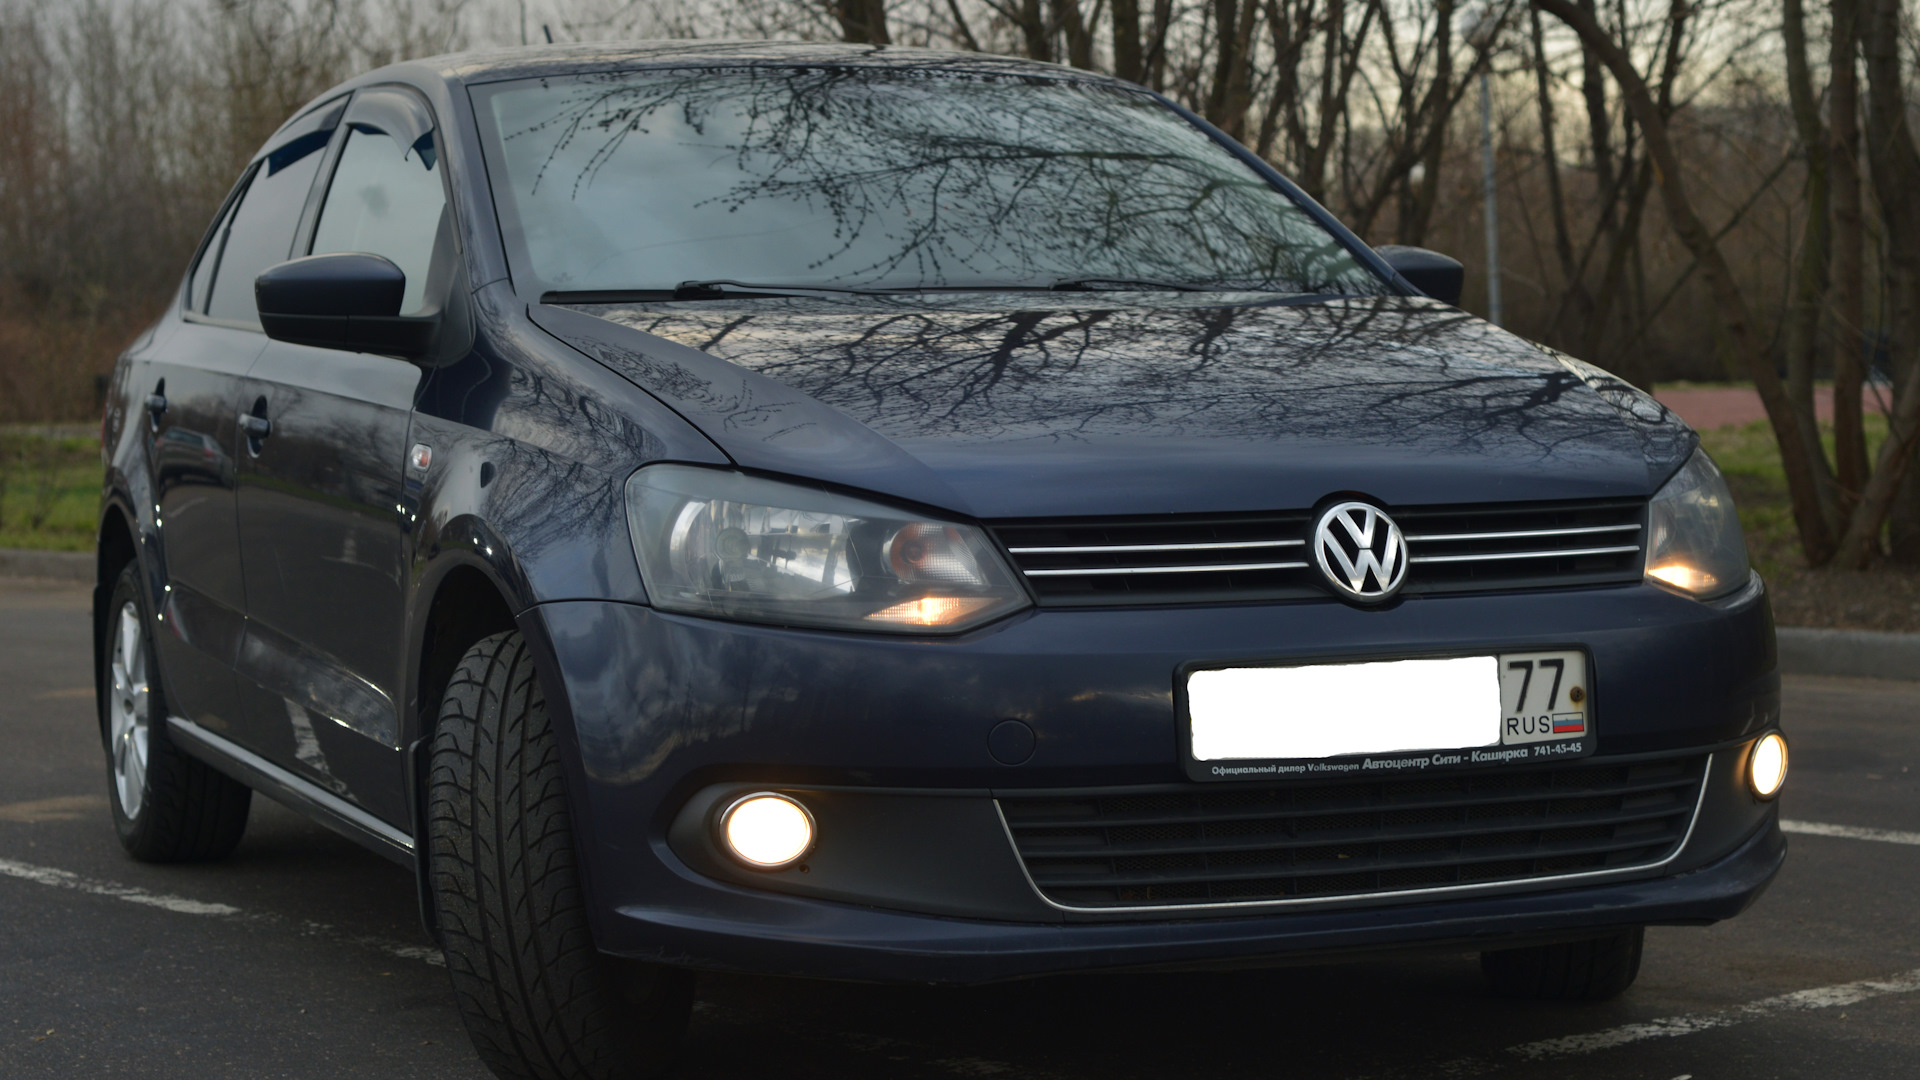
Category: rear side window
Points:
column 202, row 279
column 259, row 233
column 385, row 200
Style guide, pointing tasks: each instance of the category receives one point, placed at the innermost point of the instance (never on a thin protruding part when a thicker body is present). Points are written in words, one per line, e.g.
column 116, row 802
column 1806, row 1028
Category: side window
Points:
column 260, row 233
column 386, row 200
column 198, row 284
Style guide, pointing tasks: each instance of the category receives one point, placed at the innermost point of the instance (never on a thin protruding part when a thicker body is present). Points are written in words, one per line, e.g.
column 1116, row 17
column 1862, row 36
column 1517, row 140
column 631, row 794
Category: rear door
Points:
column 323, row 523
column 192, row 388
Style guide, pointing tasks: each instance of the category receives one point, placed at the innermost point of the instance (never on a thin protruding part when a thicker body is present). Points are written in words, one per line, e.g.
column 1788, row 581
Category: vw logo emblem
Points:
column 1360, row 552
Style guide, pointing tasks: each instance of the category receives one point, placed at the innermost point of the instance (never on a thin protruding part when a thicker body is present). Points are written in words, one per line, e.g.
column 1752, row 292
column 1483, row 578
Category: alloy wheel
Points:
column 127, row 710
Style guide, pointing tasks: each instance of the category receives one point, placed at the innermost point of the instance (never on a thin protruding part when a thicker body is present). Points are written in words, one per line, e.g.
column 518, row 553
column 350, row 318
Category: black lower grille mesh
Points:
column 1205, row 844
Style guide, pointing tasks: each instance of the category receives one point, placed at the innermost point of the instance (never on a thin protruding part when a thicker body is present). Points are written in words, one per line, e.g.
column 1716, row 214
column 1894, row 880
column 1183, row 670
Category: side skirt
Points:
column 301, row 796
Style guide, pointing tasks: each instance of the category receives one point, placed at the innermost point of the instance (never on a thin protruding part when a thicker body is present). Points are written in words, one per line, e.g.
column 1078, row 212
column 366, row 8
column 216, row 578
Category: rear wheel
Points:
column 539, row 1000
column 167, row 807
column 1593, row 970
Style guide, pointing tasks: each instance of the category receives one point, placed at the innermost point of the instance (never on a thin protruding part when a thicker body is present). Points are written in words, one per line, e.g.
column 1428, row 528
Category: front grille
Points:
column 1214, row 844
column 1178, row 559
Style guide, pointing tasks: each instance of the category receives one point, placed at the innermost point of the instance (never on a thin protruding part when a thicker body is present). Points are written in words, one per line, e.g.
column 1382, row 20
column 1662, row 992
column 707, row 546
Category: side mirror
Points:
column 1429, row 271
column 345, row 301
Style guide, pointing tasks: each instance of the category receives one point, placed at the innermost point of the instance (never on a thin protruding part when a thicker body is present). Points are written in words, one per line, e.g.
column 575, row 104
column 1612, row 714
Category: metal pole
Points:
column 1489, row 190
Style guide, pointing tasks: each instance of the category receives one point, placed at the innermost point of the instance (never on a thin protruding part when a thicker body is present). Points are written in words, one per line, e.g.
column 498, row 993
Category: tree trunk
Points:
column 1127, row 61
column 862, row 22
column 1801, row 332
column 1729, row 302
column 1849, row 292
column 1073, row 25
column 1231, row 93
column 1034, row 32
column 1894, row 163
column 1572, row 280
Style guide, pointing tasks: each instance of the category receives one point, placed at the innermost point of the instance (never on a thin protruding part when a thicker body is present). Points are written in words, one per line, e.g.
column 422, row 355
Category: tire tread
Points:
column 539, row 1000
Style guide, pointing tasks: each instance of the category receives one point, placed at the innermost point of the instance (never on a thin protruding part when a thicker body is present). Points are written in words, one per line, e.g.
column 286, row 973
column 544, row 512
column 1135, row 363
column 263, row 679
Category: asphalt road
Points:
column 301, row 956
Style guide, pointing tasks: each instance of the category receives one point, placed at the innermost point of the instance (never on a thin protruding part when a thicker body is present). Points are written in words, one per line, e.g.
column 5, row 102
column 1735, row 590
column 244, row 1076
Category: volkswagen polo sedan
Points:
column 898, row 515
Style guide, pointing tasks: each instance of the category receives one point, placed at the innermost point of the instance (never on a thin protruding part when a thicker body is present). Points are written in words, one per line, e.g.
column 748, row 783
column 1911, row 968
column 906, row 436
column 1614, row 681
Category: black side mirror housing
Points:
column 1429, row 271
column 349, row 300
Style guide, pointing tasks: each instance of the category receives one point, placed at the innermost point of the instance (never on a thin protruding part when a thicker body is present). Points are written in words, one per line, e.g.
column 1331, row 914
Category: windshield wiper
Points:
column 717, row 289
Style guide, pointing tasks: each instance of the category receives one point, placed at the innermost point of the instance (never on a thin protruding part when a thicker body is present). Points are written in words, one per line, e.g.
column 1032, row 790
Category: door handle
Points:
column 256, row 427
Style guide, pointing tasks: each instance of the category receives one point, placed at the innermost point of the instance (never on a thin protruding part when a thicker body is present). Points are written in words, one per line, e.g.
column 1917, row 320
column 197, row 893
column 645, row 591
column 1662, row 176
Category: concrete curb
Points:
column 75, row 566
column 1864, row 653
column 1803, row 651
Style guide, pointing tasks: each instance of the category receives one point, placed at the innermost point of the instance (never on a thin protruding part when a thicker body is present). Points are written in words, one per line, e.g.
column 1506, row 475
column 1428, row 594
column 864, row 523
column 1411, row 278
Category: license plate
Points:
column 1388, row 716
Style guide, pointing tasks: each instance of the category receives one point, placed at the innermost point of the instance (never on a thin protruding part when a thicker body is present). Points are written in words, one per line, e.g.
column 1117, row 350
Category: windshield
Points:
column 881, row 179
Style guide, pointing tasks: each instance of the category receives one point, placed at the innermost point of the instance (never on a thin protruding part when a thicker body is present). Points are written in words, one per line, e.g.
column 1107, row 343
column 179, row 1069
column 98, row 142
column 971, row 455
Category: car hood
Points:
column 1007, row 406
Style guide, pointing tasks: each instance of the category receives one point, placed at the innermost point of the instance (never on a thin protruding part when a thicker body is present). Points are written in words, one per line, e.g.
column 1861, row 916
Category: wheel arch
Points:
column 114, row 547
column 463, row 597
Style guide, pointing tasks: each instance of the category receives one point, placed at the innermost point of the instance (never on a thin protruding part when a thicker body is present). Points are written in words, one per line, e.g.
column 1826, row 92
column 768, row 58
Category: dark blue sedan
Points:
column 897, row 515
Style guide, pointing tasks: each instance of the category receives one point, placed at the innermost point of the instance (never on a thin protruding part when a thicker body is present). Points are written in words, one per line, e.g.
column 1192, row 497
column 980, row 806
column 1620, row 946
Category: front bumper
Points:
column 662, row 710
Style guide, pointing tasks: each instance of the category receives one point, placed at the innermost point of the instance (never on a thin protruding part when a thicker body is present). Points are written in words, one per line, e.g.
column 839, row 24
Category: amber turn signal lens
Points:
column 1683, row 577
column 1767, row 765
column 931, row 610
column 767, row 831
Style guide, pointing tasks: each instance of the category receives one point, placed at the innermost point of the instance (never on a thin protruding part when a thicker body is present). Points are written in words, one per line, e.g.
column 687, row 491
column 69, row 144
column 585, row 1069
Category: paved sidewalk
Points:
column 1708, row 407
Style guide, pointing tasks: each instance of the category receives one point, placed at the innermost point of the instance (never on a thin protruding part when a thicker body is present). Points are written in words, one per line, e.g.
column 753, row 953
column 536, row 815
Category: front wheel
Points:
column 1593, row 970
column 167, row 807
column 539, row 1000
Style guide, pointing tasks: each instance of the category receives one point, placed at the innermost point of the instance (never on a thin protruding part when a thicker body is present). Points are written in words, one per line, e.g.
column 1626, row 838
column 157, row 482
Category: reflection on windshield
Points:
column 867, row 178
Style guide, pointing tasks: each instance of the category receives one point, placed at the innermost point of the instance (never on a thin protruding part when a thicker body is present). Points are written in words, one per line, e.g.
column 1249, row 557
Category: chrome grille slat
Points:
column 1152, row 547
column 1200, row 568
column 1090, row 562
column 1489, row 556
column 1520, row 535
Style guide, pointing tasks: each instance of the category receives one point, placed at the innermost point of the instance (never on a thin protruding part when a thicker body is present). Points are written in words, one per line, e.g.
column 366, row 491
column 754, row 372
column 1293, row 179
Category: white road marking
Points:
column 66, row 879
column 1850, row 832
column 1823, row 997
column 180, row 905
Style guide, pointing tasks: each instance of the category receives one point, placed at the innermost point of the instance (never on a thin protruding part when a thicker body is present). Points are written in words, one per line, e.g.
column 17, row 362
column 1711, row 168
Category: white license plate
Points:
column 1320, row 711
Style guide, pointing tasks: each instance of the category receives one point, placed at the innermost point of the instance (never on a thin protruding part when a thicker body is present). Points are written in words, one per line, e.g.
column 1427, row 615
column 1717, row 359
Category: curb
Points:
column 74, row 566
column 1803, row 651
column 1861, row 653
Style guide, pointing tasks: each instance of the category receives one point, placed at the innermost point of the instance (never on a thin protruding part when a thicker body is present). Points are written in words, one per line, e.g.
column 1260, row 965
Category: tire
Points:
column 167, row 807
column 539, row 1000
column 1593, row 970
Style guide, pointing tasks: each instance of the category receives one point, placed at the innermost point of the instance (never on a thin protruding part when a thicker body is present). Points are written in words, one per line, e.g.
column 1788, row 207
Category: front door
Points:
column 191, row 383
column 323, row 522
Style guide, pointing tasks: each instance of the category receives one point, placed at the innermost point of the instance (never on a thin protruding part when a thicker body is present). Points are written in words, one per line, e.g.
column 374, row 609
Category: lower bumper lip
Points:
column 807, row 937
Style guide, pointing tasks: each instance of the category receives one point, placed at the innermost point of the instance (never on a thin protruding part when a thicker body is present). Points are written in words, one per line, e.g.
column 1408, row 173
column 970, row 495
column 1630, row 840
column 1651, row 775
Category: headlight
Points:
column 721, row 543
column 1694, row 542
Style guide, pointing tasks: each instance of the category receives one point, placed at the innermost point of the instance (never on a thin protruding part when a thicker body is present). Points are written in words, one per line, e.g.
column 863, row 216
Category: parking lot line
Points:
column 67, row 879
column 1850, row 832
column 1824, row 997
column 180, row 905
column 1667, row 1027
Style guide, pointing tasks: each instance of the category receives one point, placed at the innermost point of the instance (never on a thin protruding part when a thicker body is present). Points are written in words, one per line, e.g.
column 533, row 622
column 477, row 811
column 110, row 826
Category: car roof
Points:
column 479, row 66
column 492, row 65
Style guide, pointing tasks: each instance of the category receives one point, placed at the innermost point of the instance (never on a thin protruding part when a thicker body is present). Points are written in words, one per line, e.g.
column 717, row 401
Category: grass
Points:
column 1750, row 458
column 49, row 490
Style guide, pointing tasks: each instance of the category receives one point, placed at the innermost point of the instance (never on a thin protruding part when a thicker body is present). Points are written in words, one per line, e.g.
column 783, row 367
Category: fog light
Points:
column 767, row 831
column 1767, row 765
